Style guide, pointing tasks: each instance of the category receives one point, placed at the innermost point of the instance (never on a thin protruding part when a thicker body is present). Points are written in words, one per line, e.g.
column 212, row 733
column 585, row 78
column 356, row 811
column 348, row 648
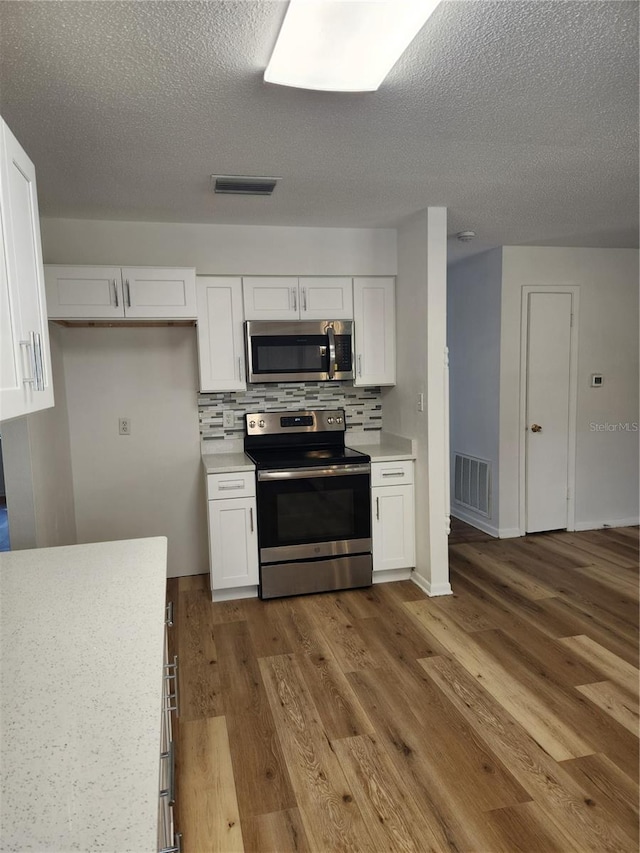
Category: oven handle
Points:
column 311, row 473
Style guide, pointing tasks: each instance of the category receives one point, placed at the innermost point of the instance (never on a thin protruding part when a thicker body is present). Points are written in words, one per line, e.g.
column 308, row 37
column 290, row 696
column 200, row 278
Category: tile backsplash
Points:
column 363, row 406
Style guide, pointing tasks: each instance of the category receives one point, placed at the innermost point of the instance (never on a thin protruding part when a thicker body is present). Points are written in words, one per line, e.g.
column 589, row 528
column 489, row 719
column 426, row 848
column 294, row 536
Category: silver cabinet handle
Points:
column 177, row 844
column 173, row 703
column 378, row 509
column 128, row 291
column 240, row 376
column 393, row 473
column 231, row 485
column 359, row 365
column 37, row 351
column 170, row 791
column 34, row 347
column 169, row 612
column 304, row 298
column 294, row 294
column 115, row 293
column 251, row 517
column 28, row 345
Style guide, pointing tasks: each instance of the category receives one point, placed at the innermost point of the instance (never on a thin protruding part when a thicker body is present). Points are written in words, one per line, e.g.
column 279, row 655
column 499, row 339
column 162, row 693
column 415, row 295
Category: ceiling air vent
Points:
column 243, row 184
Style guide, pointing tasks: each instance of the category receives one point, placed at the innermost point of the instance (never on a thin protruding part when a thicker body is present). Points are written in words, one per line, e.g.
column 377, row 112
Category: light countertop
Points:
column 224, row 462
column 390, row 448
column 81, row 654
column 226, row 456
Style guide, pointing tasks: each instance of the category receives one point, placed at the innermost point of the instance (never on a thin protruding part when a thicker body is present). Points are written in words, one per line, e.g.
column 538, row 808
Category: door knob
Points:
column 536, row 428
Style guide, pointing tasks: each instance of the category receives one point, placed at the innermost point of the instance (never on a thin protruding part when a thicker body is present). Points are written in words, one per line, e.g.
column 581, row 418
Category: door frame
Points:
column 574, row 290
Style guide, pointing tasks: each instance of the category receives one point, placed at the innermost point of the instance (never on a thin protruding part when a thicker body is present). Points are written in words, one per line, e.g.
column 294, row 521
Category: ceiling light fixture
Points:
column 466, row 236
column 344, row 45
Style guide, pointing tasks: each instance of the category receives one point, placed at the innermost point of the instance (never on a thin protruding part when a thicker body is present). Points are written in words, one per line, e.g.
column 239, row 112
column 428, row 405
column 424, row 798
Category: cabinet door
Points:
column 88, row 293
column 220, row 334
column 374, row 315
column 326, row 298
column 164, row 292
column 25, row 371
column 233, row 543
column 393, row 527
column 271, row 298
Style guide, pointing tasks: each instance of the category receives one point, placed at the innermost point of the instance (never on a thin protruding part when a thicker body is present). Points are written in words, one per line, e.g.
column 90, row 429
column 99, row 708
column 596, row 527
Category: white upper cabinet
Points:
column 292, row 298
column 326, row 298
column 220, row 333
column 25, row 365
column 374, row 315
column 102, row 292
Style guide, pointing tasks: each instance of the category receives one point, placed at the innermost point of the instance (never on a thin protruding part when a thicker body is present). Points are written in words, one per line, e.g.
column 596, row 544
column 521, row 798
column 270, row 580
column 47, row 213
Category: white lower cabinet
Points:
column 393, row 517
column 233, row 535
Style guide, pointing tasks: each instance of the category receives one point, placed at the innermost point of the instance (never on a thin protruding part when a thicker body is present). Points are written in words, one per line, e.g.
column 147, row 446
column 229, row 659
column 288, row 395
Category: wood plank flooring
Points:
column 502, row 718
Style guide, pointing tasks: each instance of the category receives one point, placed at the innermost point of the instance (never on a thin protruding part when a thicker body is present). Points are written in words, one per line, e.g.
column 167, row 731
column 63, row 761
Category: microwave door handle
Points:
column 332, row 351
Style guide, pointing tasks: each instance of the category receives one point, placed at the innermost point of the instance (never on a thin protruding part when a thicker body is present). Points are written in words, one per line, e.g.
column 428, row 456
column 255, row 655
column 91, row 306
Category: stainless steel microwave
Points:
column 292, row 351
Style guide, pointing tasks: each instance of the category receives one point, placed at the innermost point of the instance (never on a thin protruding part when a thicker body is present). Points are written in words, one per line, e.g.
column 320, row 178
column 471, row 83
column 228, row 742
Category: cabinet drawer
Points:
column 237, row 484
column 392, row 473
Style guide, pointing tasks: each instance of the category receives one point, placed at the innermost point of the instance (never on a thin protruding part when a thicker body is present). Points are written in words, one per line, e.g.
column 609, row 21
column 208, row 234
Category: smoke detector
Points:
column 466, row 236
column 243, row 184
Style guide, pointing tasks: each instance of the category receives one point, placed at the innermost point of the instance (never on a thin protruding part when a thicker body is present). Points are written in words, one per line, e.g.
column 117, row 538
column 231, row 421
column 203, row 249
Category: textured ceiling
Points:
column 520, row 117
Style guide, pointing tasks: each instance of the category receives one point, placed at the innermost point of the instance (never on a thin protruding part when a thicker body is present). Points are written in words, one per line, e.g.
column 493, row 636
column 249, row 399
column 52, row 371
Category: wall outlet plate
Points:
column 596, row 380
column 228, row 419
column 124, row 426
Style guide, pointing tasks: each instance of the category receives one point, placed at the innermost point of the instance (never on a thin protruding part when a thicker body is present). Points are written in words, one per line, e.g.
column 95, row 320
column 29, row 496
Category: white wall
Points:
column 39, row 486
column 222, row 249
column 421, row 325
column 149, row 483
column 606, row 461
column 473, row 336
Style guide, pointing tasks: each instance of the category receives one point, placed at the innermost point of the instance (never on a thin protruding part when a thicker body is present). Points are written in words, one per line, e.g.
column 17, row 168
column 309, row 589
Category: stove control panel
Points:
column 281, row 423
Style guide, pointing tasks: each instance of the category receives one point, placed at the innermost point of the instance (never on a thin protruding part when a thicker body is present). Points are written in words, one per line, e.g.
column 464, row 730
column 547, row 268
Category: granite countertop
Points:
column 81, row 655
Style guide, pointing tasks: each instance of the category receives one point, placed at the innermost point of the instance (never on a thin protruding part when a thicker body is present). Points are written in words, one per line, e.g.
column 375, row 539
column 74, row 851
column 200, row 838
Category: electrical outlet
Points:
column 124, row 426
column 228, row 419
column 420, row 402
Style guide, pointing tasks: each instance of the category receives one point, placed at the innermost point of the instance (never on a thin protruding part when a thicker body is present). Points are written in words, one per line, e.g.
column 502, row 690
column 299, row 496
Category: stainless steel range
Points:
column 314, row 503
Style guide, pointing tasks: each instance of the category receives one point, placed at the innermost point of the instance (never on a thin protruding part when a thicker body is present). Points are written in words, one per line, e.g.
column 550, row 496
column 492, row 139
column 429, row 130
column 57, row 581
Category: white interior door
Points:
column 548, row 395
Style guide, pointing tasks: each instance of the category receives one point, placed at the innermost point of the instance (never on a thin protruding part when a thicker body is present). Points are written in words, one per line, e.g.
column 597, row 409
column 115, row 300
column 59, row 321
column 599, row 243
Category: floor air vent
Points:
column 243, row 184
column 472, row 483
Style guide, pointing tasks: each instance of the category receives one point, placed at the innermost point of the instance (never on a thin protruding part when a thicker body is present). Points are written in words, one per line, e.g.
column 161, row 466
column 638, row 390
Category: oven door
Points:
column 314, row 513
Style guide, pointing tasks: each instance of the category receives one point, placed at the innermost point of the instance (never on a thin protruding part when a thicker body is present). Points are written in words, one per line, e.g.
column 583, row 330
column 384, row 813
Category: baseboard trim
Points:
column 236, row 592
column 600, row 525
column 509, row 532
column 432, row 590
column 474, row 521
column 390, row 575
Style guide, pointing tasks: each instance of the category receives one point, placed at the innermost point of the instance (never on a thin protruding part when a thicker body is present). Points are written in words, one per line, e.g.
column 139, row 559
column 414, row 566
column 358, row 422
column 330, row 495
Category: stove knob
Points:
column 329, row 420
column 338, row 420
column 261, row 424
column 252, row 424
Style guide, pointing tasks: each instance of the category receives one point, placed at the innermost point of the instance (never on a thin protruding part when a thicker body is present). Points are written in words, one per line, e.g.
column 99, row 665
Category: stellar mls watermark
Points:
column 620, row 426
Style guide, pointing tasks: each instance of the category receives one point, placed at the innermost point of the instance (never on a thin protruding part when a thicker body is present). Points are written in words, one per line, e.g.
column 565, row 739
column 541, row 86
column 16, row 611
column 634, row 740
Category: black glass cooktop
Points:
column 298, row 457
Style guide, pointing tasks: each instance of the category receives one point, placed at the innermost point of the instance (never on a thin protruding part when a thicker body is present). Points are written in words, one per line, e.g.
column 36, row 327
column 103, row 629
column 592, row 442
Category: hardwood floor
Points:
column 501, row 718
